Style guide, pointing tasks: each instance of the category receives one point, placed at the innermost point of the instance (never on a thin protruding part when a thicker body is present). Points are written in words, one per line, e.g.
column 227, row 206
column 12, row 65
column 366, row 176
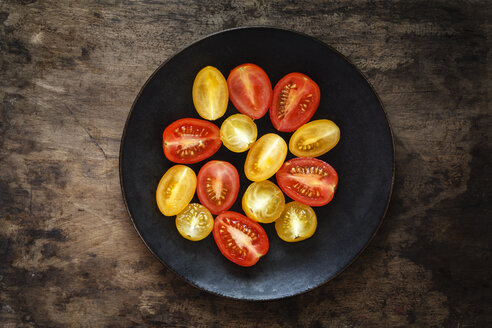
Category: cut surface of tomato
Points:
column 297, row 222
column 194, row 222
column 310, row 181
column 190, row 140
column 175, row 189
column 295, row 100
column 238, row 132
column 240, row 239
column 210, row 93
column 263, row 201
column 218, row 186
column 265, row 157
column 250, row 90
column 315, row 138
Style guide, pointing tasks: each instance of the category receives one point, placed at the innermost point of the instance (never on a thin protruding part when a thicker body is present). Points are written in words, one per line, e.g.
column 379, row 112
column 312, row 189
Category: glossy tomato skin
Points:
column 175, row 189
column 218, row 186
column 295, row 100
column 310, row 181
column 190, row 140
column 250, row 90
column 240, row 239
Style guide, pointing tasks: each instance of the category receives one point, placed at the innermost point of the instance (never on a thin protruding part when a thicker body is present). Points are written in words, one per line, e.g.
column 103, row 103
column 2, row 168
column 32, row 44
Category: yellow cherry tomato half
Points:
column 265, row 157
column 297, row 222
column 238, row 133
column 210, row 93
column 175, row 190
column 315, row 138
column 263, row 201
column 195, row 222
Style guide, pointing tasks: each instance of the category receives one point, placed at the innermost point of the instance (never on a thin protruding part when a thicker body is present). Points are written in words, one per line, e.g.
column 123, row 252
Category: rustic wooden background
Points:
column 70, row 71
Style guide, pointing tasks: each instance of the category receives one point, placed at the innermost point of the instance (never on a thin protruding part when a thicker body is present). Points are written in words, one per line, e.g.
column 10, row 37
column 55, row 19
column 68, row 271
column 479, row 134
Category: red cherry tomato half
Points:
column 218, row 186
column 240, row 239
column 308, row 180
column 295, row 100
column 250, row 90
column 190, row 140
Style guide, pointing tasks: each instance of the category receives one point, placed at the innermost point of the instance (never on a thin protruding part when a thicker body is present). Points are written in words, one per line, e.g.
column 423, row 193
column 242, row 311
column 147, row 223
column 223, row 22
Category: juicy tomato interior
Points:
column 195, row 222
column 295, row 100
column 297, row 222
column 263, row 201
column 238, row 132
column 218, row 186
column 190, row 140
column 315, row 138
column 240, row 239
column 265, row 157
column 175, row 189
column 250, row 90
column 210, row 93
column 308, row 180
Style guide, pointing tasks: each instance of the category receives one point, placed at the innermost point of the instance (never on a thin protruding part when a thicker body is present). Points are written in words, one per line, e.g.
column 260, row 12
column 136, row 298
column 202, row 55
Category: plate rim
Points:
column 359, row 253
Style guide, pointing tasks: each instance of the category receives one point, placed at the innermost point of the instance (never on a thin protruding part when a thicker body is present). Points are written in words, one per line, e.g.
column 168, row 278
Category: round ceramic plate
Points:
column 363, row 159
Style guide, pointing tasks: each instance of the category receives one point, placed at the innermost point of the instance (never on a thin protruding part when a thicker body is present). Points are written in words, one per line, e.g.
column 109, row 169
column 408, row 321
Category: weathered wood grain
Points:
column 69, row 254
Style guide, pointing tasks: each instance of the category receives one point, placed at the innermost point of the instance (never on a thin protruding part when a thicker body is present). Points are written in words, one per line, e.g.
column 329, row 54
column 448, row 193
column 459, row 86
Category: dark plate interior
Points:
column 363, row 159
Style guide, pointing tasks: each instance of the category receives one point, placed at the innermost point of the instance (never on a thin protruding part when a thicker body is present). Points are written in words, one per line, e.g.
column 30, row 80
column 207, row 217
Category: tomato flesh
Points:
column 263, row 201
column 240, row 239
column 265, row 157
column 308, row 180
column 194, row 222
column 218, row 186
column 190, row 140
column 250, row 90
column 175, row 189
column 295, row 100
column 238, row 132
column 210, row 93
column 315, row 138
column 297, row 222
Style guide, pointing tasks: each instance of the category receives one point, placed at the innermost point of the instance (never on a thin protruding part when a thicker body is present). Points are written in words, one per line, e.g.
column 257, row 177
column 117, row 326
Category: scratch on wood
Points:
column 93, row 140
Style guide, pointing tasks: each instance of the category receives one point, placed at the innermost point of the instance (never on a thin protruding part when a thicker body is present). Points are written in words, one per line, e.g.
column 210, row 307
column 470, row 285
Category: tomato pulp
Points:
column 295, row 100
column 240, row 239
column 308, row 180
column 250, row 90
column 218, row 186
column 190, row 140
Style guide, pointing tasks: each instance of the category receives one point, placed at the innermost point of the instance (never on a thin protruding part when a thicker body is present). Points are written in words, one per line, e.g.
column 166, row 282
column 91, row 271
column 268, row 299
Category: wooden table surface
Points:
column 69, row 255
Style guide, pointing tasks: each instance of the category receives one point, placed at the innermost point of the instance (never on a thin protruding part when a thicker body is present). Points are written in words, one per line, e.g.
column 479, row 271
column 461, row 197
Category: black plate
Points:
column 363, row 159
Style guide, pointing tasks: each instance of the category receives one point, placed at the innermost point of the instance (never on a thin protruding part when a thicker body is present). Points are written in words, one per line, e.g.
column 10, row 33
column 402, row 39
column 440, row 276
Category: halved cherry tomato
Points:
column 295, row 100
column 175, row 189
column 238, row 132
column 265, row 157
column 240, row 239
column 263, row 201
column 190, row 140
column 210, row 94
column 250, row 90
column 308, row 180
column 297, row 222
column 194, row 222
column 218, row 186
column 315, row 138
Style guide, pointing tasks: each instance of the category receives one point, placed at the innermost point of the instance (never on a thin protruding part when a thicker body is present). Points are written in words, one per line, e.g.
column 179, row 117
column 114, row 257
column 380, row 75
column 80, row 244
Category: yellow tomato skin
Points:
column 297, row 222
column 314, row 139
column 265, row 157
column 175, row 189
column 195, row 222
column 238, row 132
column 263, row 201
column 210, row 93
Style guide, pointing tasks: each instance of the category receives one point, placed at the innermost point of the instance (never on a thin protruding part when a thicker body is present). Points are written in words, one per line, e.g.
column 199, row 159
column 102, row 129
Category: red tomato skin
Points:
column 262, row 90
column 232, row 185
column 294, row 118
column 287, row 182
column 261, row 244
column 171, row 140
